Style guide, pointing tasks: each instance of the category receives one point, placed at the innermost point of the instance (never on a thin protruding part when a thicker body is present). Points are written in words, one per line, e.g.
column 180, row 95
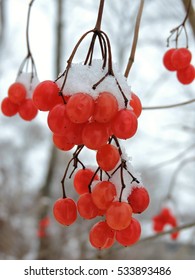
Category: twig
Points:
column 135, row 39
column 180, row 166
column 169, row 106
column 175, row 229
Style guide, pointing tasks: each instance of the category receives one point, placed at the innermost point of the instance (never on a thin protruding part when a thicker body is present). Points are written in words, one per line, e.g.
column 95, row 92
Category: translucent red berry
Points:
column 103, row 194
column 9, row 108
column 139, row 199
column 124, row 124
column 101, row 236
column 181, row 58
column 58, row 120
column 86, row 208
column 27, row 110
column 167, row 61
column 82, row 180
column 118, row 215
column 46, row 95
column 106, row 107
column 135, row 103
column 95, row 135
column 129, row 235
column 17, row 93
column 187, row 75
column 80, row 107
column 62, row 143
column 107, row 157
column 65, row 211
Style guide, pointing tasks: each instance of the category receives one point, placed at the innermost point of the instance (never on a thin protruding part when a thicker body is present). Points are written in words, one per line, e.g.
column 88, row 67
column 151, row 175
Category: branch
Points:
column 169, row 106
column 135, row 39
column 175, row 229
column 27, row 27
column 174, row 177
column 191, row 14
column 100, row 13
column 175, row 158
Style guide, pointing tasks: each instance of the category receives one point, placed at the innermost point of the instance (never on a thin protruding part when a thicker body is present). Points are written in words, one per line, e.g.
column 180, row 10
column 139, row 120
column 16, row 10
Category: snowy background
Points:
column 162, row 150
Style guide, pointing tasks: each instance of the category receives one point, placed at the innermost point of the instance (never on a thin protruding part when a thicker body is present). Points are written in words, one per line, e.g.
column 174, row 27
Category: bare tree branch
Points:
column 169, row 106
column 191, row 15
column 135, row 39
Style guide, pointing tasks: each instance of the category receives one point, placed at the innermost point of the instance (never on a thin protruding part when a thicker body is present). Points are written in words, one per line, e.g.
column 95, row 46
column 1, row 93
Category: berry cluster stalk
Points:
column 178, row 29
column 29, row 58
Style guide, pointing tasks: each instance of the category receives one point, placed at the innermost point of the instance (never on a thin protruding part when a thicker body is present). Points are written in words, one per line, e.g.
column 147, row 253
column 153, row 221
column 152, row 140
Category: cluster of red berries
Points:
column 83, row 120
column 79, row 119
column 179, row 60
column 164, row 218
column 19, row 101
column 118, row 223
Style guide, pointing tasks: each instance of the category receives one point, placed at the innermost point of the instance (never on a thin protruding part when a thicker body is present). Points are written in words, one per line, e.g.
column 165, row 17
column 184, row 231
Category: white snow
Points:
column 81, row 78
column 29, row 80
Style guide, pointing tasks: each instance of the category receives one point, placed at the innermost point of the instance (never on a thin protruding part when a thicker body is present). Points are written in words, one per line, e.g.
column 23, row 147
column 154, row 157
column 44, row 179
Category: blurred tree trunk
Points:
column 45, row 250
column 2, row 19
column 191, row 14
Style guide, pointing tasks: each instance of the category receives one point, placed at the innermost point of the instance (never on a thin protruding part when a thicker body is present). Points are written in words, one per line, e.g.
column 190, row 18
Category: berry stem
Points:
column 123, row 164
column 100, row 13
column 95, row 173
column 75, row 165
column 29, row 56
column 178, row 29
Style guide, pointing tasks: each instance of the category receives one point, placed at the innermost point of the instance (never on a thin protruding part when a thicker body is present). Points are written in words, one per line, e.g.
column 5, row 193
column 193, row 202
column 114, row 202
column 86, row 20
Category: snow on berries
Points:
column 89, row 106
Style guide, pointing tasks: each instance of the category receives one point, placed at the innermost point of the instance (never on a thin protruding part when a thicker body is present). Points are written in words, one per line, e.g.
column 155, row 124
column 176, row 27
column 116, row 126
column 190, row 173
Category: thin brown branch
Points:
column 135, row 39
column 169, row 106
column 174, row 177
column 100, row 13
column 191, row 14
column 175, row 158
column 160, row 234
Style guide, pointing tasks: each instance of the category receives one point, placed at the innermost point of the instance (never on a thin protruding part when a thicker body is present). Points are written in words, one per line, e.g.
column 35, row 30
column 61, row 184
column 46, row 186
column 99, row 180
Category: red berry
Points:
column 74, row 133
column 107, row 157
column 135, row 103
column 58, row 120
column 103, row 194
column 187, row 75
column 82, row 180
column 167, row 60
column 139, row 199
column 9, row 108
column 101, row 236
column 124, row 124
column 27, row 110
column 46, row 95
column 86, row 208
column 181, row 58
column 165, row 217
column 95, row 135
column 65, row 211
column 106, row 107
column 62, row 143
column 17, row 93
column 118, row 215
column 80, row 107
column 129, row 235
